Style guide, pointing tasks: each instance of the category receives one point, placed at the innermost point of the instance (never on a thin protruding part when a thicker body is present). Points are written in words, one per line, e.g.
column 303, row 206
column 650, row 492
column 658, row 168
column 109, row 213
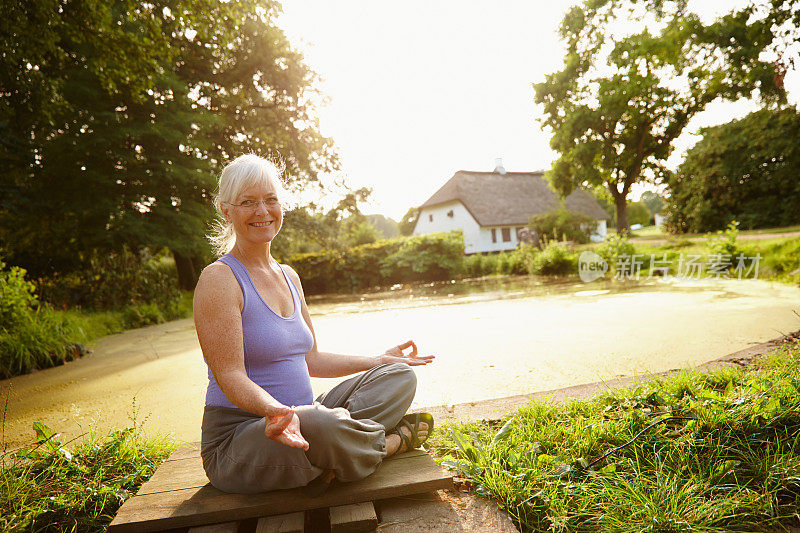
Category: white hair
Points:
column 240, row 174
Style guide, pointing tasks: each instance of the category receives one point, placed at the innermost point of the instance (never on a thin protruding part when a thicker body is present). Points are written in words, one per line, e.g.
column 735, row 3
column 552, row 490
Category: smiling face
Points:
column 261, row 216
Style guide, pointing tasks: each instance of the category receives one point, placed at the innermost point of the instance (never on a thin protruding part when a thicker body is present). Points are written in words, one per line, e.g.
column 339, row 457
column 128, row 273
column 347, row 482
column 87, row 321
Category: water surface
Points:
column 492, row 338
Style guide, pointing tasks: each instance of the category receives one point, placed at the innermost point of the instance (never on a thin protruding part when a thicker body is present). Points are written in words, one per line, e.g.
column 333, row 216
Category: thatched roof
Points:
column 512, row 198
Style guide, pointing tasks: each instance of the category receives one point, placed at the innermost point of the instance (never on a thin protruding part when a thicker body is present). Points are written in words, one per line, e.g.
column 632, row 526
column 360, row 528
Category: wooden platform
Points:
column 180, row 496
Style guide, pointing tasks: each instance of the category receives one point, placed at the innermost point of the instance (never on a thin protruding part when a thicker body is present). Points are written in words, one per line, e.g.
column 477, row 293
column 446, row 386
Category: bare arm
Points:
column 333, row 365
column 218, row 302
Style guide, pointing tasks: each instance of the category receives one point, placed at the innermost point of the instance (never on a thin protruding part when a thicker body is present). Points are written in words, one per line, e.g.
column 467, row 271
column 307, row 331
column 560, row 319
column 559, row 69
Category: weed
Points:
column 48, row 487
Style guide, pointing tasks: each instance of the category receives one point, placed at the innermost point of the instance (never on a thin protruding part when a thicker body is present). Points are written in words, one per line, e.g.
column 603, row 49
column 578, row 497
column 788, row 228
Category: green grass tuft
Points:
column 49, row 487
column 735, row 466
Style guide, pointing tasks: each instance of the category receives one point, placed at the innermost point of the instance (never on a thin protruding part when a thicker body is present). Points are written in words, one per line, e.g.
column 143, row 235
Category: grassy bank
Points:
column 725, row 458
column 54, row 487
column 42, row 337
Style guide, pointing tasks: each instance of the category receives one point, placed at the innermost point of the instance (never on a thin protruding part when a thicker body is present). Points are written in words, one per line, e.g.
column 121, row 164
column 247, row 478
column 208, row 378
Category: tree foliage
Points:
column 653, row 201
column 409, row 220
column 620, row 100
column 638, row 213
column 746, row 170
column 117, row 117
column 561, row 224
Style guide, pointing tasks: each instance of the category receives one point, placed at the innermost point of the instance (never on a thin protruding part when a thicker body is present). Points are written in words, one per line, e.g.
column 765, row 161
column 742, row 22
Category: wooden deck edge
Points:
column 257, row 506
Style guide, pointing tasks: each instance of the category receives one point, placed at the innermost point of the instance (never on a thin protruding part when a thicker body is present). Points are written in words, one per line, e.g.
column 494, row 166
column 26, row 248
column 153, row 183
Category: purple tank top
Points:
column 275, row 347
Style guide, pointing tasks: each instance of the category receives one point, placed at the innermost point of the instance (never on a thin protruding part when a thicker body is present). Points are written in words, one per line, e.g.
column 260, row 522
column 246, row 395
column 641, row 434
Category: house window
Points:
column 506, row 234
column 430, row 218
column 519, row 230
column 494, row 235
column 450, row 213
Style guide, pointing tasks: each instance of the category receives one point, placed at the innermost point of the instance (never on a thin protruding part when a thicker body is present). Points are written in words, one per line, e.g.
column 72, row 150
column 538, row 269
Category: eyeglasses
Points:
column 252, row 205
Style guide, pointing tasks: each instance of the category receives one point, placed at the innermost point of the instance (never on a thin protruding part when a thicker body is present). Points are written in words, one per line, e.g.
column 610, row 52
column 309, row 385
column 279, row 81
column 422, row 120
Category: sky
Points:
column 418, row 90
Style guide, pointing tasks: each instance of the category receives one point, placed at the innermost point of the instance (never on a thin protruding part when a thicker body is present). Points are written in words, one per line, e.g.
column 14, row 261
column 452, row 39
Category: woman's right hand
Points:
column 283, row 425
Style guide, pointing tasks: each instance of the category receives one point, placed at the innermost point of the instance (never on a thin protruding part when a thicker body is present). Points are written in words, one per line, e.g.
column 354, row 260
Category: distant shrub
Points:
column 475, row 265
column 431, row 257
column 561, row 224
column 615, row 247
column 724, row 242
column 555, row 259
column 113, row 281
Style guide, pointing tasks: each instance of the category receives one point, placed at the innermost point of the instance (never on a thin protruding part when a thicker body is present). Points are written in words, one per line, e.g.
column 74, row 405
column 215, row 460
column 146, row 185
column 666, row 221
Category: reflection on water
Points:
column 490, row 288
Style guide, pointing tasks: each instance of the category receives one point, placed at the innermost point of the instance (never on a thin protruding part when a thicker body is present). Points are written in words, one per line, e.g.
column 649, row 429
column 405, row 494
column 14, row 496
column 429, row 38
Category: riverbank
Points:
column 699, row 451
column 84, row 487
column 522, row 336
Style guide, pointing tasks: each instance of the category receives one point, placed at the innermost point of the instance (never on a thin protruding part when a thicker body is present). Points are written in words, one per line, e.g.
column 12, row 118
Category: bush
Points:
column 724, row 243
column 560, row 224
column 432, row 257
column 475, row 265
column 31, row 336
column 17, row 296
column 34, row 336
column 555, row 259
column 638, row 214
column 42, row 338
column 113, row 281
column 615, row 247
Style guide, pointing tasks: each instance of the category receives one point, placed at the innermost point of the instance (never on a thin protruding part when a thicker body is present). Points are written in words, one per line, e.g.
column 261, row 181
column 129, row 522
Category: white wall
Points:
column 600, row 232
column 461, row 220
column 476, row 238
column 486, row 244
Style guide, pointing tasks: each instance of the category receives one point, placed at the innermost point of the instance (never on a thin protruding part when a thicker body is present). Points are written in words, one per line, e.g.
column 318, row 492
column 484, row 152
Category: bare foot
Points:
column 394, row 444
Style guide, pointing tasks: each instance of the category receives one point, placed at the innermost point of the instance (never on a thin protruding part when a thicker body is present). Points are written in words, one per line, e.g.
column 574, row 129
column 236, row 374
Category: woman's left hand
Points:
column 396, row 355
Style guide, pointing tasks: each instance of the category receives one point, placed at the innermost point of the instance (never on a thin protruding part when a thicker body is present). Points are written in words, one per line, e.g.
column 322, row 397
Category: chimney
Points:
column 498, row 165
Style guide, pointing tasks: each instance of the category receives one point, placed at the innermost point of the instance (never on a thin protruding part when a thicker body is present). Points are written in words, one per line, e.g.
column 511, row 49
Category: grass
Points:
column 45, row 337
column 49, row 487
column 657, row 233
column 733, row 465
column 91, row 325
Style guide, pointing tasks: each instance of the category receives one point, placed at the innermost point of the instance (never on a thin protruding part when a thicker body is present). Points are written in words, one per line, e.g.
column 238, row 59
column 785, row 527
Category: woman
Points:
column 261, row 428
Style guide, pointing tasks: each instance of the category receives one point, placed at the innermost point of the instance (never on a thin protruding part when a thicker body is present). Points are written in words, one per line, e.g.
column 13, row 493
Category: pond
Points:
column 492, row 338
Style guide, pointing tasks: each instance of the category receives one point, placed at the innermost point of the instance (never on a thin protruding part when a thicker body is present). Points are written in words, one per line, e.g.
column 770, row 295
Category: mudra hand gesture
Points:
column 283, row 426
column 397, row 355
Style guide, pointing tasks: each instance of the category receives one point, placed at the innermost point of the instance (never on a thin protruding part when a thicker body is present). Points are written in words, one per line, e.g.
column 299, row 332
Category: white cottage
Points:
column 490, row 208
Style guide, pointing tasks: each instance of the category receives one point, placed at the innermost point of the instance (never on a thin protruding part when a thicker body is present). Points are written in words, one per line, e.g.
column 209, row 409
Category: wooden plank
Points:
column 224, row 527
column 354, row 518
column 189, row 474
column 409, row 473
column 282, row 523
column 185, row 451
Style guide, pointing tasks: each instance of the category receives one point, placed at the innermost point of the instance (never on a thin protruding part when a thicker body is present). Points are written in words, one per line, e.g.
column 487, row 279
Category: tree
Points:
column 653, row 202
column 358, row 230
column 148, row 102
column 409, row 220
column 385, row 225
column 620, row 101
column 638, row 213
column 746, row 170
column 559, row 223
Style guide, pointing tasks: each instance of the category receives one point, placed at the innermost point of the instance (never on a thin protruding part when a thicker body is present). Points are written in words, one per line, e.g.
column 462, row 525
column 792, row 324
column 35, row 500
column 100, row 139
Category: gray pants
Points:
column 345, row 429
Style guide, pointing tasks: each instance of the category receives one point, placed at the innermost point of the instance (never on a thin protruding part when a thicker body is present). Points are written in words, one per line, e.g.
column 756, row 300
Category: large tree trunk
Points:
column 187, row 274
column 621, row 203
